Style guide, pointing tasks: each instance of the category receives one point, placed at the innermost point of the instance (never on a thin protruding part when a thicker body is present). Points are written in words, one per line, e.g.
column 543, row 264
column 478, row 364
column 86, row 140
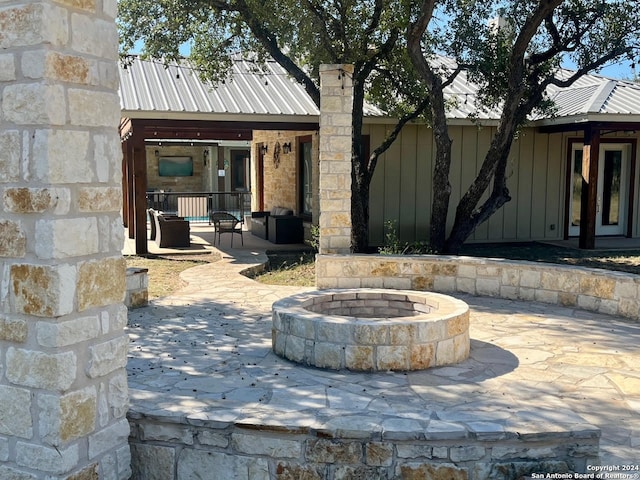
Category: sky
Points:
column 623, row 71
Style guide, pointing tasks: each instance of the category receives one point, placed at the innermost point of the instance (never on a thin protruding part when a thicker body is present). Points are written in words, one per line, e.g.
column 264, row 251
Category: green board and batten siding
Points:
column 401, row 188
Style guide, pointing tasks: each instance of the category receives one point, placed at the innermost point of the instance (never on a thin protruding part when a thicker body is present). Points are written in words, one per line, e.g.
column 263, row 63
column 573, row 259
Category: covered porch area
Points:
column 220, row 157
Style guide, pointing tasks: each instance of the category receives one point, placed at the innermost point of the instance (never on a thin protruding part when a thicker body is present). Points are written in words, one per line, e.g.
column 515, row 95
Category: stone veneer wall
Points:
column 613, row 293
column 194, row 183
column 199, row 448
column 265, row 447
column 336, row 106
column 281, row 183
column 63, row 351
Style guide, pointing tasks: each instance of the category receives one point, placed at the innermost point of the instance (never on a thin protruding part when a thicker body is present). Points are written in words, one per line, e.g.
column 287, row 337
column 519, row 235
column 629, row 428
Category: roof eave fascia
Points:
column 465, row 122
column 581, row 120
column 220, row 117
column 271, row 118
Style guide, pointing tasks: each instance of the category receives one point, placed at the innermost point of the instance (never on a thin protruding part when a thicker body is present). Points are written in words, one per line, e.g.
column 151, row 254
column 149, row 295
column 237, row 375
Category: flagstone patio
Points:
column 202, row 377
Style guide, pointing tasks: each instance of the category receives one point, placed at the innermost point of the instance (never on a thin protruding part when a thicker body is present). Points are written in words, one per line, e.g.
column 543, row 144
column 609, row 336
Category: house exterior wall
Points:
column 281, row 183
column 401, row 186
column 205, row 178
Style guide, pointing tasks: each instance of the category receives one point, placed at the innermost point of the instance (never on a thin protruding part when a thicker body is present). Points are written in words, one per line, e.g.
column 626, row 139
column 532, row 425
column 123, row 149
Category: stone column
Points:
column 336, row 101
column 63, row 351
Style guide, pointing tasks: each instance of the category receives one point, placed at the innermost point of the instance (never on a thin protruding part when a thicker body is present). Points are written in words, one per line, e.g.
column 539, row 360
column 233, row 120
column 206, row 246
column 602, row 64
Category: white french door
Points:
column 613, row 189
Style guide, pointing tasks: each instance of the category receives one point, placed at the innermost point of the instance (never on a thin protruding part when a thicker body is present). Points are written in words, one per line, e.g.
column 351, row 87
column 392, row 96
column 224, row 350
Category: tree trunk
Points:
column 360, row 175
column 442, row 166
column 441, row 187
column 493, row 169
column 466, row 226
column 359, row 214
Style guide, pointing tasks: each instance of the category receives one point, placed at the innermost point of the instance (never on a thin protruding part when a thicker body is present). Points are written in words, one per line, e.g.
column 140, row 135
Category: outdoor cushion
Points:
column 260, row 224
column 281, row 211
column 284, row 229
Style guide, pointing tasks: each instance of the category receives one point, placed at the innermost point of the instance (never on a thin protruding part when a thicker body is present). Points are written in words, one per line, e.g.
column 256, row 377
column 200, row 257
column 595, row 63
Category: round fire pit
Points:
column 371, row 329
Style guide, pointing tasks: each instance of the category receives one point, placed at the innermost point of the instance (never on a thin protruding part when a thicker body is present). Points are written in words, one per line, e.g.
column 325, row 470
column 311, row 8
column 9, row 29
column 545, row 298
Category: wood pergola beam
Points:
column 140, row 194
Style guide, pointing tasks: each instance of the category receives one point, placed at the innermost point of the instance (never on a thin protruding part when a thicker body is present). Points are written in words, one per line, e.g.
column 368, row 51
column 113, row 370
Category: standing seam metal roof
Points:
column 153, row 87
column 149, row 86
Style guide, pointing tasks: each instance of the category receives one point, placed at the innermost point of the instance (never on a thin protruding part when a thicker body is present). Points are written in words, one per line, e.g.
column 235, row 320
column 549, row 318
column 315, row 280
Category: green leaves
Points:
column 308, row 32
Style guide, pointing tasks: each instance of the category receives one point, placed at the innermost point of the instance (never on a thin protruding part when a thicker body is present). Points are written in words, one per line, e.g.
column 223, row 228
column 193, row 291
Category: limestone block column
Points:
column 336, row 103
column 63, row 350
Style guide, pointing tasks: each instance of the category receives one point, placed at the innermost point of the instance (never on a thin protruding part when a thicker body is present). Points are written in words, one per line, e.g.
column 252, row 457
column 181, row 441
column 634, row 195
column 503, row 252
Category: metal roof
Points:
column 149, row 89
column 597, row 94
column 590, row 96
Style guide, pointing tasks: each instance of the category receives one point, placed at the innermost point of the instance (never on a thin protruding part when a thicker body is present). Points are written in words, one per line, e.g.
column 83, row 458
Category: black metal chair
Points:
column 224, row 222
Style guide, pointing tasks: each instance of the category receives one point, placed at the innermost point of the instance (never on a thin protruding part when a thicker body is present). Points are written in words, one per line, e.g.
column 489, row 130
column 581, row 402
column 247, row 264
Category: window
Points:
column 306, row 174
column 240, row 170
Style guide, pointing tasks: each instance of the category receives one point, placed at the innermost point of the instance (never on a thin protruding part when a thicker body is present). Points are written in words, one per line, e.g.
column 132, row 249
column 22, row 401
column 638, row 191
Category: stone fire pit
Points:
column 371, row 329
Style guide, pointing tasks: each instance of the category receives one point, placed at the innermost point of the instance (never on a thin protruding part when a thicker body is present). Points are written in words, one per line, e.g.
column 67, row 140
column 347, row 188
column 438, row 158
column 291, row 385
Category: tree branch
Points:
column 270, row 43
column 340, row 28
column 373, row 158
column 323, row 22
column 587, row 68
column 386, row 48
column 374, row 23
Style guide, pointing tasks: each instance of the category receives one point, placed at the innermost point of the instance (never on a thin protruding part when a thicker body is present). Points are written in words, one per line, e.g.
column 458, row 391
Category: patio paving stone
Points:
column 204, row 354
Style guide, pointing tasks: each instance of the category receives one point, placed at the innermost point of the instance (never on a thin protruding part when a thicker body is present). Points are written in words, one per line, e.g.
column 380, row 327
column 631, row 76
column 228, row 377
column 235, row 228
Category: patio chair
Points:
column 224, row 222
column 153, row 220
column 170, row 231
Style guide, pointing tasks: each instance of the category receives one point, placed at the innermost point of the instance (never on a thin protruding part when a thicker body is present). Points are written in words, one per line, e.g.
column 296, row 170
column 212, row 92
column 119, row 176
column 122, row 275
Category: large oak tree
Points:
column 513, row 61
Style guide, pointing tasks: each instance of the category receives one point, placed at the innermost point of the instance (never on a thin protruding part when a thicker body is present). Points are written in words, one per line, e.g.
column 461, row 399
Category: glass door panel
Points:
column 612, row 197
column 611, row 187
column 576, row 190
column 240, row 170
column 612, row 190
column 306, row 188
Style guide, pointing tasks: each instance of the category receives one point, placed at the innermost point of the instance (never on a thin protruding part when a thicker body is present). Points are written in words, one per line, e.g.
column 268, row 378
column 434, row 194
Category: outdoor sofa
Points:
column 279, row 225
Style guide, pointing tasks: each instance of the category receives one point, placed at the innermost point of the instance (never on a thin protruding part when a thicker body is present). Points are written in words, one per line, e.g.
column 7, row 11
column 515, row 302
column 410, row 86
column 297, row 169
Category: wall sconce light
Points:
column 286, row 148
column 205, row 156
column 157, row 152
column 264, row 149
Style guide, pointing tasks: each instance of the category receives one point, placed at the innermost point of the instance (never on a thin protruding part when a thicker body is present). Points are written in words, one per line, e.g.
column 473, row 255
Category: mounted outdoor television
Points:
column 175, row 166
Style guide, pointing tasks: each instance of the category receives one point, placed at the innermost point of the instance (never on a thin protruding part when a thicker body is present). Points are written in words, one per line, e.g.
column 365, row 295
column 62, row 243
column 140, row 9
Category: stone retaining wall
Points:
column 137, row 287
column 442, row 450
column 613, row 293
